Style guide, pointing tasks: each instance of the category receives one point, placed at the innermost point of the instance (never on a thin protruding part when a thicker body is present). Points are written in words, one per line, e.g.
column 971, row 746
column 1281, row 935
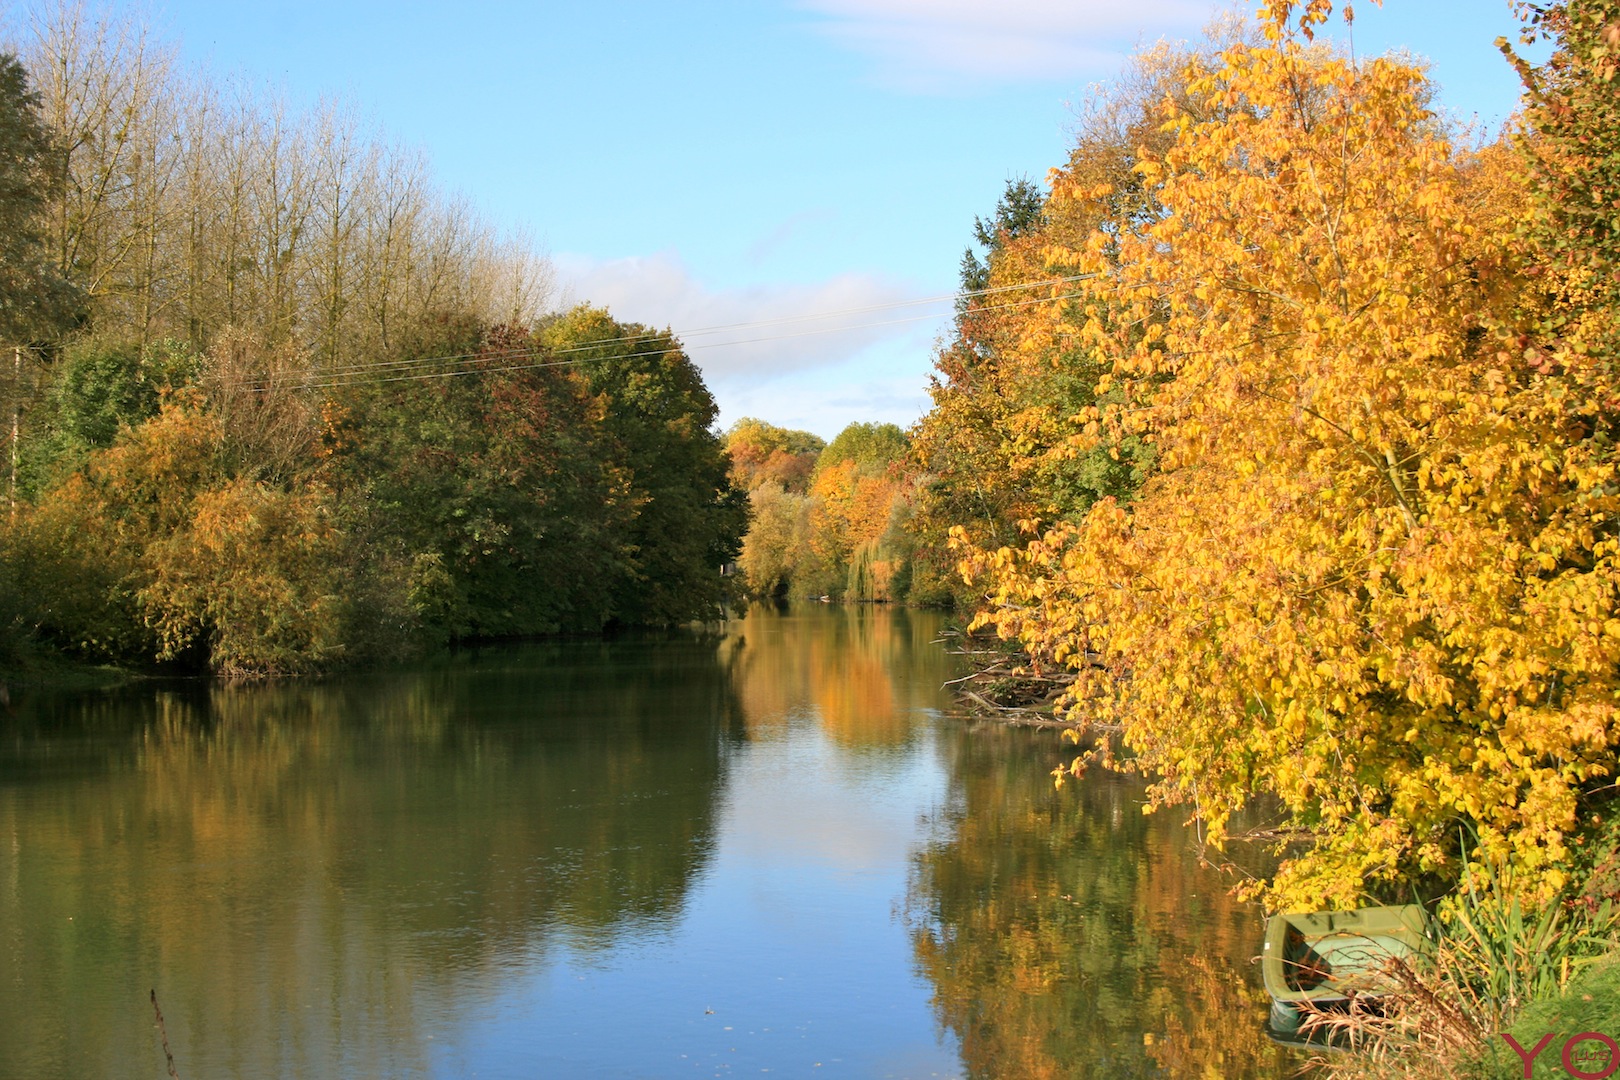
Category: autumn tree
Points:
column 36, row 302
column 998, row 446
column 774, row 466
column 762, row 452
column 860, row 493
column 825, row 519
column 367, row 430
column 99, row 388
column 155, row 551
column 1572, row 144
column 869, row 447
column 1372, row 574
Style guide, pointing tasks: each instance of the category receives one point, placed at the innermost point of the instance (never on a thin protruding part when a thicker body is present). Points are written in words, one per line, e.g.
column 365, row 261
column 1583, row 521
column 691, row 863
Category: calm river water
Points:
column 765, row 853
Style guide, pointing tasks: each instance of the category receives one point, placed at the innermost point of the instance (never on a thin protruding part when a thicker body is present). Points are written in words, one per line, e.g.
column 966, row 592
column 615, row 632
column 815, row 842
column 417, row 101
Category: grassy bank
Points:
column 51, row 672
column 1590, row 1003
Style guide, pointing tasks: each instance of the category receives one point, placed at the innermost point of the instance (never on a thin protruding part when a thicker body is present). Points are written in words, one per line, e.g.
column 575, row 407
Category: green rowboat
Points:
column 1325, row 958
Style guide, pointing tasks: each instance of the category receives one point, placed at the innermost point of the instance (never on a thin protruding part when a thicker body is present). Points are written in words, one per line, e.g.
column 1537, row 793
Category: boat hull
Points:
column 1323, row 957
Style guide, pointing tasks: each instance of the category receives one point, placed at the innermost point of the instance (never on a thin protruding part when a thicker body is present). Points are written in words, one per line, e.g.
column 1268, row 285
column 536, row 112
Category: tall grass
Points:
column 1591, row 1002
column 1494, row 958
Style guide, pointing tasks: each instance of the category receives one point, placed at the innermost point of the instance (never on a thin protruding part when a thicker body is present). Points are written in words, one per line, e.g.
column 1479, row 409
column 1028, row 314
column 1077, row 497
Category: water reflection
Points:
column 318, row 879
column 766, row 851
column 869, row 674
column 1068, row 935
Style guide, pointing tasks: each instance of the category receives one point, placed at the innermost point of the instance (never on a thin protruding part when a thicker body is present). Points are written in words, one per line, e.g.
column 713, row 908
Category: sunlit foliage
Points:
column 826, row 520
column 999, row 444
column 762, row 452
column 262, row 523
column 669, row 470
column 1372, row 572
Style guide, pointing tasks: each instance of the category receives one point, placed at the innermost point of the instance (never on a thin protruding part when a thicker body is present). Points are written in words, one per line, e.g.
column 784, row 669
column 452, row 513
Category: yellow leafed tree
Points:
column 1374, row 574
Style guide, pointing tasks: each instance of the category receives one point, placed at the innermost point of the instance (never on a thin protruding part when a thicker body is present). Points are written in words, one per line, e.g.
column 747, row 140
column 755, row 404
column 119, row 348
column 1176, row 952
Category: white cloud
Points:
column 931, row 45
column 813, row 356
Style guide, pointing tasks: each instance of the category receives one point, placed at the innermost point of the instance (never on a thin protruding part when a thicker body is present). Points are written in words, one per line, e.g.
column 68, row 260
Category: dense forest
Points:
column 276, row 405
column 1277, row 435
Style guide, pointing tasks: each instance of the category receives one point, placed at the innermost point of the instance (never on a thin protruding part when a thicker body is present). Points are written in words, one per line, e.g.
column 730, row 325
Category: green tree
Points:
column 1022, row 210
column 35, row 300
column 98, row 388
column 774, row 551
column 670, row 468
column 872, row 447
column 486, row 483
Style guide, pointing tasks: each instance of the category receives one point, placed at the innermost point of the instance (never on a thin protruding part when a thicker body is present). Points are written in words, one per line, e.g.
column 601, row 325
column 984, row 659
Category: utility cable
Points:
column 339, row 375
column 365, row 376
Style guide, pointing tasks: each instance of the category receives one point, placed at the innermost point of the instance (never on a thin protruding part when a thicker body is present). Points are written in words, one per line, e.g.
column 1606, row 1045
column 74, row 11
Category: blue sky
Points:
column 704, row 165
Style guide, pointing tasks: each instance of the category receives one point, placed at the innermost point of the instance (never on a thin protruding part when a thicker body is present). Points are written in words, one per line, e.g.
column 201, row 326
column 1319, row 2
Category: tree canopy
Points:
column 36, row 301
column 309, row 410
column 1357, row 548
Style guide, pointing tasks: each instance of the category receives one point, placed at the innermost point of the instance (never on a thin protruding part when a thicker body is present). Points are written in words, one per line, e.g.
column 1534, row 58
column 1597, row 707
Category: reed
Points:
column 163, row 1035
column 1444, row 1014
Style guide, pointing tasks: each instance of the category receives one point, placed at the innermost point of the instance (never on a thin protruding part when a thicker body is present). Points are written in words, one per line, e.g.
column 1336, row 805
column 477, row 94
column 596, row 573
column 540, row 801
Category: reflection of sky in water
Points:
column 643, row 858
column 789, row 936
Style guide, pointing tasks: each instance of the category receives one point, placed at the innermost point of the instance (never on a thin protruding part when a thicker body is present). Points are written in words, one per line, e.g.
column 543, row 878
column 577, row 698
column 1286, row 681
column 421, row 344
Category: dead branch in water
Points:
column 163, row 1034
column 1008, row 714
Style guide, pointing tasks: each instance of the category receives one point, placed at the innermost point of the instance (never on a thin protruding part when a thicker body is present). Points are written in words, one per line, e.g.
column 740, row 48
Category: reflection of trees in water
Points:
column 315, row 875
column 1067, row 935
column 867, row 670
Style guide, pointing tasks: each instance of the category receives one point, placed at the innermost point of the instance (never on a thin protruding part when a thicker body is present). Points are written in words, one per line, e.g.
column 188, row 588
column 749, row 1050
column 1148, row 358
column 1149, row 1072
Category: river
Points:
column 772, row 851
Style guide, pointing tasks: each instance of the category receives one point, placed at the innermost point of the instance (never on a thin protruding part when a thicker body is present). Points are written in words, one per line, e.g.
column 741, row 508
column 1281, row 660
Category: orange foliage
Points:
column 1374, row 575
column 853, row 508
column 762, row 453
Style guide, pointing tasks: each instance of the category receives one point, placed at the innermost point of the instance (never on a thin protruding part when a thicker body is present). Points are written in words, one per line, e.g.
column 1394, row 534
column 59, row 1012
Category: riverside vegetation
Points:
column 275, row 406
column 1278, row 436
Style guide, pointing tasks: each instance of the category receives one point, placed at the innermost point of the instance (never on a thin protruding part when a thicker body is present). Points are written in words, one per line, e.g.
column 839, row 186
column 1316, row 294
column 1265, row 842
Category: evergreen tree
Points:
column 35, row 301
column 1022, row 209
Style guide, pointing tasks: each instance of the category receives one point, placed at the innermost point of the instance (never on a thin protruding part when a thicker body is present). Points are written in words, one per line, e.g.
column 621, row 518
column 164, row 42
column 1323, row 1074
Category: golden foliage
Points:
column 851, row 507
column 775, row 545
column 1374, row 575
column 256, row 574
column 247, row 573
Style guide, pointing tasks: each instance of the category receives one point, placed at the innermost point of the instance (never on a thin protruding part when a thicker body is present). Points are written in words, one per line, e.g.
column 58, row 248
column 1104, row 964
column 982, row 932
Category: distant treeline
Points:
column 277, row 405
column 834, row 519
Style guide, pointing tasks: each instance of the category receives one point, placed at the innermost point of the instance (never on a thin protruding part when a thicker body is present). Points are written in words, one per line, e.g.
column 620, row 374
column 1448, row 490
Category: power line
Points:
column 357, row 375
column 687, row 336
column 365, row 376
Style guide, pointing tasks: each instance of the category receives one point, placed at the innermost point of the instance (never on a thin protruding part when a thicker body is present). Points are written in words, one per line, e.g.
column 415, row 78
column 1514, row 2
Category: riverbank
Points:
column 48, row 671
column 1509, row 960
